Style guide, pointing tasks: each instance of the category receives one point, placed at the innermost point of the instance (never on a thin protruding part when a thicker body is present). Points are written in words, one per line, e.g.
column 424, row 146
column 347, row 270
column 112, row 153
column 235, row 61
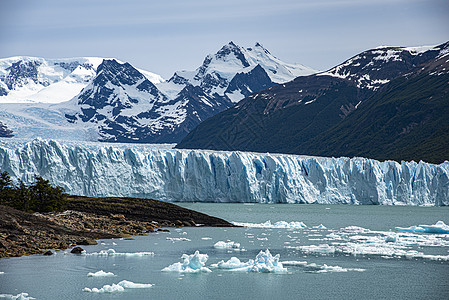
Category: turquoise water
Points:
column 382, row 275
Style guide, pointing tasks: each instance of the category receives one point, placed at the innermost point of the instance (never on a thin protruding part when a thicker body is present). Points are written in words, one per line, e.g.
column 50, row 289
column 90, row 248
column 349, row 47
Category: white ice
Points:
column 438, row 227
column 175, row 239
column 227, row 245
column 354, row 240
column 193, row 263
column 112, row 252
column 264, row 263
column 21, row 296
column 118, row 287
column 94, row 169
column 100, row 273
column 268, row 224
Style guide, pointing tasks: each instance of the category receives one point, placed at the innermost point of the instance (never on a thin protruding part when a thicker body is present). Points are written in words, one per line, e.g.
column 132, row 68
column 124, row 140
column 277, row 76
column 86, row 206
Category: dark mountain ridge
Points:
column 321, row 114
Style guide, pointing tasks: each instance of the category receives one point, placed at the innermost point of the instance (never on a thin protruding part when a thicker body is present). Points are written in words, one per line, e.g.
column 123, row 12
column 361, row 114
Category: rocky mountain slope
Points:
column 108, row 100
column 308, row 114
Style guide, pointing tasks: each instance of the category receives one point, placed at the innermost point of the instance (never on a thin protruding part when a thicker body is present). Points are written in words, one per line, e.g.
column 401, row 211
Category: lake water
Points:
column 356, row 254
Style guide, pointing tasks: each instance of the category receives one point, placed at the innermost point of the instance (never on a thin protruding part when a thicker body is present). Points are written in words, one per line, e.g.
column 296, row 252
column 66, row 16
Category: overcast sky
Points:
column 169, row 35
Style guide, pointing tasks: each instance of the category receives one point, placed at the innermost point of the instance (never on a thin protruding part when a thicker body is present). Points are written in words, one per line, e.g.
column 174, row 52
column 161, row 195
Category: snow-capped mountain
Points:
column 373, row 68
column 33, row 79
column 108, row 100
column 256, row 64
column 314, row 114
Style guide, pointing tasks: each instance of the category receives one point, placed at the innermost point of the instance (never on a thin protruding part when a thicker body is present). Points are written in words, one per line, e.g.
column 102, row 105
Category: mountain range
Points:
column 384, row 103
column 109, row 100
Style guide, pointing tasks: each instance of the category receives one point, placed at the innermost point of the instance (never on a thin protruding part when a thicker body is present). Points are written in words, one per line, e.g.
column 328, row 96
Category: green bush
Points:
column 40, row 196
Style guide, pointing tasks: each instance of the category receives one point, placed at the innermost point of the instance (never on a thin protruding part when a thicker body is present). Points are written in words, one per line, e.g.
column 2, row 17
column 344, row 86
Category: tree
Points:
column 6, row 189
column 45, row 198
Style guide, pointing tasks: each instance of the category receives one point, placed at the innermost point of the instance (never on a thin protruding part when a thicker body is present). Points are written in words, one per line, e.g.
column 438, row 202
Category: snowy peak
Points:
column 33, row 79
column 376, row 67
column 232, row 53
column 219, row 69
column 115, row 88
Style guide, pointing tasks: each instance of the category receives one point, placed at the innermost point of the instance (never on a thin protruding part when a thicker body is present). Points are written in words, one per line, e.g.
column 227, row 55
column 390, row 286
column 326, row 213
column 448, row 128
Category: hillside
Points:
column 374, row 105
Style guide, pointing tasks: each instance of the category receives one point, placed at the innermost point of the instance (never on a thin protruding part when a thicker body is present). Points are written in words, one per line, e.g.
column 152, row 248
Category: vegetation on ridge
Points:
column 39, row 196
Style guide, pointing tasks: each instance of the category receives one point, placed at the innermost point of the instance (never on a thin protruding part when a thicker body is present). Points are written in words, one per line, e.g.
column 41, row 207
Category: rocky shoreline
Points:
column 88, row 219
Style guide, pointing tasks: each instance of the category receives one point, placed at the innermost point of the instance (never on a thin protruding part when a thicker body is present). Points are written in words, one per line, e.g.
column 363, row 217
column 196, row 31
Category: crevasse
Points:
column 218, row 176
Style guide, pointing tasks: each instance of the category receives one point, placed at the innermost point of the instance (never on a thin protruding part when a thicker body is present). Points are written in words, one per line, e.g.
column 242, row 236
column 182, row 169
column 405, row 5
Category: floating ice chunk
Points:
column 321, row 226
column 233, row 263
column 314, row 268
column 227, row 245
column 206, row 238
column 391, row 238
column 178, row 239
column 100, row 273
column 322, row 248
column 112, row 252
column 438, row 227
column 193, row 263
column 294, row 263
column 2, row 273
column 264, row 263
column 268, row 224
column 119, row 287
column 21, row 296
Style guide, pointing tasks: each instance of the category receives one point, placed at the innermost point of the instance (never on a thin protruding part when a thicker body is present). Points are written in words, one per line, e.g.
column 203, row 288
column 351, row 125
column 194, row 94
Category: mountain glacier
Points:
column 98, row 99
column 166, row 174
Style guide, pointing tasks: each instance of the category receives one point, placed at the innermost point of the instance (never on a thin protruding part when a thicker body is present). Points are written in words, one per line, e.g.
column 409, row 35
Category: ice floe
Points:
column 354, row 240
column 21, row 296
column 268, row 224
column 439, row 227
column 226, row 245
column 112, row 252
column 321, row 226
column 118, row 287
column 316, row 268
column 178, row 239
column 100, row 273
column 193, row 263
column 264, row 263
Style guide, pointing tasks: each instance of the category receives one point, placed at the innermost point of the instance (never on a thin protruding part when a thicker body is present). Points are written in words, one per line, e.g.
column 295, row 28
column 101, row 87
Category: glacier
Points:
column 166, row 174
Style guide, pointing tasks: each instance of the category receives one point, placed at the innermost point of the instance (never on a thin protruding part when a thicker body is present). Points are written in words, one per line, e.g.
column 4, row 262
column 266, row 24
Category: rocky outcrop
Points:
column 23, row 233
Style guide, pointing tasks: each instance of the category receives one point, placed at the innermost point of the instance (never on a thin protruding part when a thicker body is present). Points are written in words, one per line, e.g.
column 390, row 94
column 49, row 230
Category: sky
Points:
column 170, row 35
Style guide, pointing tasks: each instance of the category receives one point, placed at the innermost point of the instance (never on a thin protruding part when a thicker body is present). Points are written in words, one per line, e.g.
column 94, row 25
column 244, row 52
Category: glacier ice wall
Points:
column 212, row 176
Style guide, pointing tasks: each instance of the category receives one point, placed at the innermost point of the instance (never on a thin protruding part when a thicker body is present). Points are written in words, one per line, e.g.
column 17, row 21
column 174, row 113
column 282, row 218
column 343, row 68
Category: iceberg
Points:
column 264, row 263
column 133, row 170
column 276, row 225
column 21, row 296
column 118, row 287
column 112, row 252
column 358, row 241
column 193, row 263
column 226, row 245
column 438, row 227
column 100, row 273
column 175, row 239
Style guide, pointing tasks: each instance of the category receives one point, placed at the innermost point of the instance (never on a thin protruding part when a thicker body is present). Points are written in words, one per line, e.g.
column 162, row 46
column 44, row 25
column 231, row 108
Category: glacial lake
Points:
column 337, row 252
